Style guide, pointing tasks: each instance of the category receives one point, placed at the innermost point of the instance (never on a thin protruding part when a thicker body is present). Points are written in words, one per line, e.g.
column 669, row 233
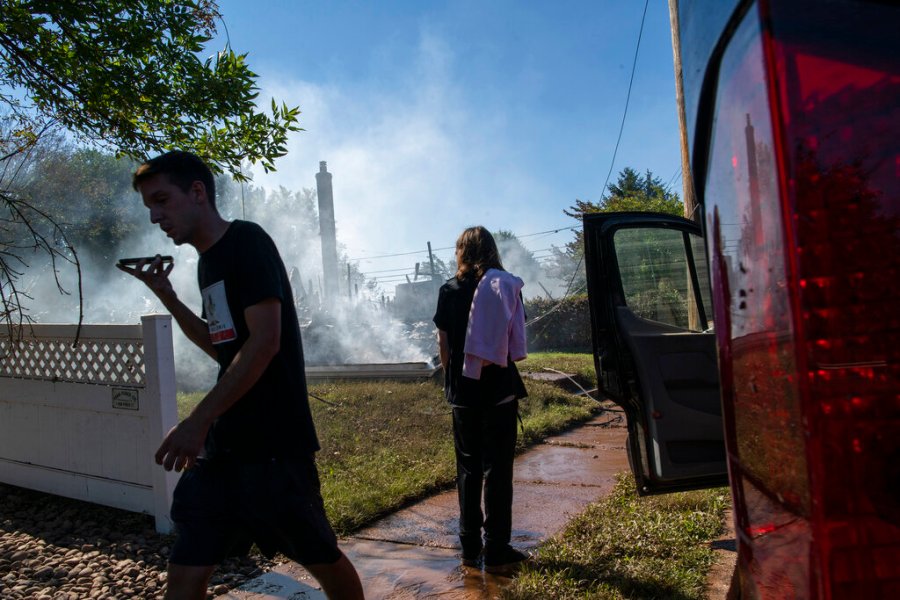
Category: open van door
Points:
column 654, row 346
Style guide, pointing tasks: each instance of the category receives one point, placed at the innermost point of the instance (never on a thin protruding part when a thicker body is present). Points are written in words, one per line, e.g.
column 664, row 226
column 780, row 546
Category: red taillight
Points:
column 836, row 76
column 804, row 176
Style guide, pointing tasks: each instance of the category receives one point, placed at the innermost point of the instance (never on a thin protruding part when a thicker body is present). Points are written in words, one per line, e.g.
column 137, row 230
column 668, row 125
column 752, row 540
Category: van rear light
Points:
column 836, row 88
column 809, row 229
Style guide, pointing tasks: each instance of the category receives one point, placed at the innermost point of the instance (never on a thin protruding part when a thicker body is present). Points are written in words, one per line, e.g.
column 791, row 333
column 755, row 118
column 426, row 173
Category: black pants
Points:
column 485, row 441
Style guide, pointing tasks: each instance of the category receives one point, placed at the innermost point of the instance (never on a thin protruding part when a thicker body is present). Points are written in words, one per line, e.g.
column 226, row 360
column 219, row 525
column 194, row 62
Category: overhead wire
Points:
column 612, row 162
column 425, row 250
column 604, row 188
column 627, row 96
column 675, row 176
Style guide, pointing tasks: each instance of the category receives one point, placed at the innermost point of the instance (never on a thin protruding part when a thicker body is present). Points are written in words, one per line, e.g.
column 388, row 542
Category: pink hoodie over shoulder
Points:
column 496, row 323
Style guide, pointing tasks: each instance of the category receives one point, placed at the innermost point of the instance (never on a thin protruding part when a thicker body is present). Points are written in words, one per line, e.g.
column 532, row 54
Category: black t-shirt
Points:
column 273, row 418
column 452, row 317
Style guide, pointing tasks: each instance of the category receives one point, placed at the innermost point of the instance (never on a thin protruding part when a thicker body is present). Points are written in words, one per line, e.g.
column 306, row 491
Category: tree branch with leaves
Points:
column 129, row 76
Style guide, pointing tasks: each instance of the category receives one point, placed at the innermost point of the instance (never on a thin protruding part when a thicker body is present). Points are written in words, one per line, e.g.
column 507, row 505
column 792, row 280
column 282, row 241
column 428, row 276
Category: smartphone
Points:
column 130, row 262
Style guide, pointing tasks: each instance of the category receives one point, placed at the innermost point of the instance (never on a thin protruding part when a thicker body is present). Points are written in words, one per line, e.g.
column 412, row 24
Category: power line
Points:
column 425, row 251
column 401, row 269
column 627, row 98
column 394, row 278
column 549, row 231
column 611, row 164
column 676, row 175
column 422, row 251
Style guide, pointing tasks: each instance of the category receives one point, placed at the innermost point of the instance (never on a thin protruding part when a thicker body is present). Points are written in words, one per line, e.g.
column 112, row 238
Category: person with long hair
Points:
column 481, row 333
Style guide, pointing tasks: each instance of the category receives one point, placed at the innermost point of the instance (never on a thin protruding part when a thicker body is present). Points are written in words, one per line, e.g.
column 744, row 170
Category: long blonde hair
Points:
column 476, row 252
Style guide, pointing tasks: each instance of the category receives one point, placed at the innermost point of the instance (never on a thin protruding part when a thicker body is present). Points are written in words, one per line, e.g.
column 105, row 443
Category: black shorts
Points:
column 222, row 507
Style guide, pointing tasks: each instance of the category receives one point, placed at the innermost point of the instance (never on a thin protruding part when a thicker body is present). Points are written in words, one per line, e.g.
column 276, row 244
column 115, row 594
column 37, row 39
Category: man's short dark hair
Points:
column 182, row 168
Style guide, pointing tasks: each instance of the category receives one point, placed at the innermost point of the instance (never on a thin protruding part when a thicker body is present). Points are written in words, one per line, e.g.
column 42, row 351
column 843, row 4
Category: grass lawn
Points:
column 385, row 444
column 581, row 365
column 629, row 547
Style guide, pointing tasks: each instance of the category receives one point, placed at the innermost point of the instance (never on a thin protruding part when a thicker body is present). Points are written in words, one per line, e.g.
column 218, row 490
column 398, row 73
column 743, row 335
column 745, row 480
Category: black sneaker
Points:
column 471, row 559
column 505, row 560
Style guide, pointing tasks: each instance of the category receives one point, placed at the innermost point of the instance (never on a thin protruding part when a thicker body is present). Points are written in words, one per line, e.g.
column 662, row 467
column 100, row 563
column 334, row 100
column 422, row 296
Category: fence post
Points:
column 159, row 370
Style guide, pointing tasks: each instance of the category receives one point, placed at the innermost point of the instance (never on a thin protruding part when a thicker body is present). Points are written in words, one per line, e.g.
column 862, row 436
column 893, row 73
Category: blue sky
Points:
column 434, row 116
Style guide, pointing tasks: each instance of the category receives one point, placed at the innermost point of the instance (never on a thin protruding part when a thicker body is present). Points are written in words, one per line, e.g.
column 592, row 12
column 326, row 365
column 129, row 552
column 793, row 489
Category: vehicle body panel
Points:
column 654, row 355
column 793, row 116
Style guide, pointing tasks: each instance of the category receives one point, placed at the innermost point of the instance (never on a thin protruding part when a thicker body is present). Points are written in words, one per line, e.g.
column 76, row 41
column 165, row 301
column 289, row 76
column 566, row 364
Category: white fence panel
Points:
column 84, row 420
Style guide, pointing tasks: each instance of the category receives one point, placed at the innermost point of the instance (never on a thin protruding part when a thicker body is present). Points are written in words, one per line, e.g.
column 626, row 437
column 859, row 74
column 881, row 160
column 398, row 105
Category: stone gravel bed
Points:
column 57, row 548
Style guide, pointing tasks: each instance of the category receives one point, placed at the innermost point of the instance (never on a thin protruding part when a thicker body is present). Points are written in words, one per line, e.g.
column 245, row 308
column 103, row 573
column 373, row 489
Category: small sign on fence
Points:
column 125, row 398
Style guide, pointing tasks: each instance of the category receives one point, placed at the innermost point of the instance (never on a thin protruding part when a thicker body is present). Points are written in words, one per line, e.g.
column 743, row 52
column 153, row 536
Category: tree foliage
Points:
column 127, row 76
column 562, row 325
column 630, row 192
column 87, row 192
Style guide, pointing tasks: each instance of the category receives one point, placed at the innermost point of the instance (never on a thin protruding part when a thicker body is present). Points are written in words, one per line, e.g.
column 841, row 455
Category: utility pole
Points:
column 431, row 260
column 689, row 197
column 691, row 210
column 546, row 291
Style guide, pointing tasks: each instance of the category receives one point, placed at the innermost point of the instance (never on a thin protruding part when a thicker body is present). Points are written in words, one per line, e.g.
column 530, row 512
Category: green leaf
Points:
column 129, row 76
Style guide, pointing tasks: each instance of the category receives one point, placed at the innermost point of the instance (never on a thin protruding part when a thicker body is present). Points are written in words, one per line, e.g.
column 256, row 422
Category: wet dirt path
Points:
column 413, row 553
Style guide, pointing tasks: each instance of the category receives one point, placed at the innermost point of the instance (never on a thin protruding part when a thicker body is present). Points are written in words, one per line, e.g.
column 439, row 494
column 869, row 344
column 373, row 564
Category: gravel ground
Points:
column 57, row 548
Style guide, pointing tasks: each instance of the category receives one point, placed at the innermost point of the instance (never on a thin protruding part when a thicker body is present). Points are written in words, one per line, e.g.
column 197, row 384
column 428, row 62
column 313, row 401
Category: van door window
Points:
column 656, row 281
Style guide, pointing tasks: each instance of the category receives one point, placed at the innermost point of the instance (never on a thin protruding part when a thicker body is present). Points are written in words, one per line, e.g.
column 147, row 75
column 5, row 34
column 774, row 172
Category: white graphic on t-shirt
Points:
column 218, row 317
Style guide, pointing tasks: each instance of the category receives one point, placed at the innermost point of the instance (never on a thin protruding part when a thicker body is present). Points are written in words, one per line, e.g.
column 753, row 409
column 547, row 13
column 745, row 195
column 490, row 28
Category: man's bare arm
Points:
column 194, row 328
column 184, row 442
column 156, row 277
column 443, row 348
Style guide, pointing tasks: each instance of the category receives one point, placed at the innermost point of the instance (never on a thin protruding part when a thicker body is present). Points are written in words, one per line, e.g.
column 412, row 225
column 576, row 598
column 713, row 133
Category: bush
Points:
column 560, row 325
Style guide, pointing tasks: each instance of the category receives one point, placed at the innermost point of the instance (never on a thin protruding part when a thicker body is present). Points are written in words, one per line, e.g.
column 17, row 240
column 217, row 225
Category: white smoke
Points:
column 353, row 328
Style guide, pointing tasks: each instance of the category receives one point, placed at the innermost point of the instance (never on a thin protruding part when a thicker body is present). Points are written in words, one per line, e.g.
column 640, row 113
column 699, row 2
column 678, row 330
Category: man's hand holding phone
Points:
column 131, row 262
column 152, row 270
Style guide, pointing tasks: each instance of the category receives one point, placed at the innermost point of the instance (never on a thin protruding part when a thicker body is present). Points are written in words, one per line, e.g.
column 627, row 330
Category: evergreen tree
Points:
column 630, row 192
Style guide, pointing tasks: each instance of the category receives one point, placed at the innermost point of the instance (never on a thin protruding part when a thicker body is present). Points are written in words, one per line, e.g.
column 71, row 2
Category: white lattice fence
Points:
column 114, row 360
column 83, row 419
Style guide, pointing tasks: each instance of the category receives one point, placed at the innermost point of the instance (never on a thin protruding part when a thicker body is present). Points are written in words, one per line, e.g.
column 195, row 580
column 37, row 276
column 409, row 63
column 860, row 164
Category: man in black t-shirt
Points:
column 248, row 447
column 240, row 270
